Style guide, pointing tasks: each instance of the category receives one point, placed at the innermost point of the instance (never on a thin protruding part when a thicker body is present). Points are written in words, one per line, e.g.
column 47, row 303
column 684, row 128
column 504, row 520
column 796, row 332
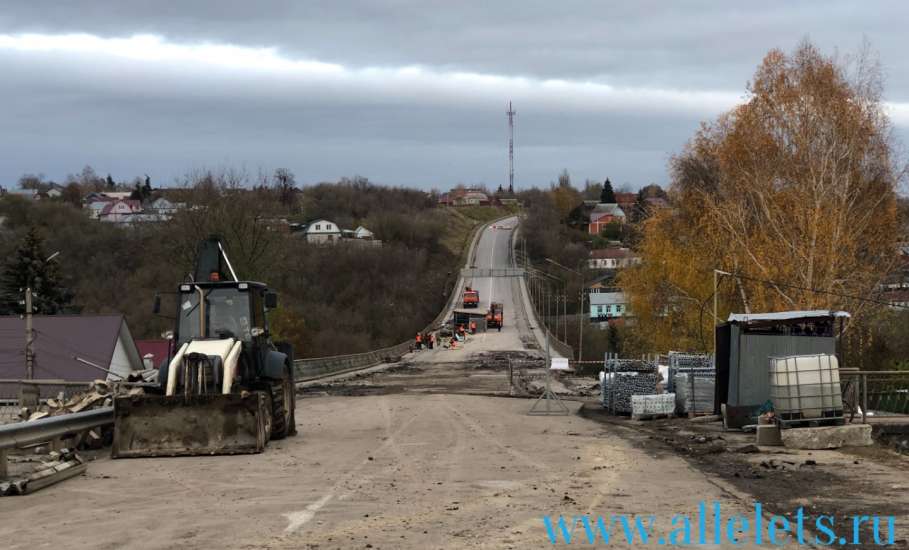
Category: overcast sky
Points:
column 408, row 92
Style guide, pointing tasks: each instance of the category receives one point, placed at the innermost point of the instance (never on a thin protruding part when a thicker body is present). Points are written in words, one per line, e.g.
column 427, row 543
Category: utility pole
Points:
column 565, row 317
column 29, row 337
column 581, row 324
column 716, row 319
column 510, row 168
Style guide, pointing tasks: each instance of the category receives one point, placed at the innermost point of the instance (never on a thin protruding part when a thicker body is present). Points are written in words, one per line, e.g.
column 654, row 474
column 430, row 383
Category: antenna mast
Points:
column 510, row 114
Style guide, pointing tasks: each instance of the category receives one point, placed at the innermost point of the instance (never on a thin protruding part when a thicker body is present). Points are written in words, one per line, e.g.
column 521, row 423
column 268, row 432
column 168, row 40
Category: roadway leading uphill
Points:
column 493, row 255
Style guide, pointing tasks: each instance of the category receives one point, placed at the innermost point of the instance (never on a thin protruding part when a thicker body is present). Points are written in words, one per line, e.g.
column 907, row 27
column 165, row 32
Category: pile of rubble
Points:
column 99, row 394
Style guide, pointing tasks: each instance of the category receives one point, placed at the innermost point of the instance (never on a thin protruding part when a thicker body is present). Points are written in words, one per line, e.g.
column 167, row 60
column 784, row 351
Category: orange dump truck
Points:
column 471, row 297
column 494, row 316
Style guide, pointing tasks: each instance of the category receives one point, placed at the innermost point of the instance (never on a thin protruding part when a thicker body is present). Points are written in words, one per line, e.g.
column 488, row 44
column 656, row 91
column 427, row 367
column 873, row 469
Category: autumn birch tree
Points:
column 793, row 192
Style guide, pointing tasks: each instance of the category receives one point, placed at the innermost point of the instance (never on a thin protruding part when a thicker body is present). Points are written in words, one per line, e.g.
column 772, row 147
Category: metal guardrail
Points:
column 21, row 434
column 889, row 391
column 310, row 369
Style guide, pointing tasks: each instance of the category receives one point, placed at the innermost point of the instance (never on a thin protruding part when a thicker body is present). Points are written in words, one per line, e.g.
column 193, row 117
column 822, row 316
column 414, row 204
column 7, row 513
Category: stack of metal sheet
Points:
column 694, row 391
column 701, row 364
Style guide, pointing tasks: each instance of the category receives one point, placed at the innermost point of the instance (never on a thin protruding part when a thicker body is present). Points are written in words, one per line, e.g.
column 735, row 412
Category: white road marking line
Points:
column 298, row 519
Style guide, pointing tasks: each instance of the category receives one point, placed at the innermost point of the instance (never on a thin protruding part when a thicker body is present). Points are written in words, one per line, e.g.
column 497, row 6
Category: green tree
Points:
column 28, row 266
column 608, row 195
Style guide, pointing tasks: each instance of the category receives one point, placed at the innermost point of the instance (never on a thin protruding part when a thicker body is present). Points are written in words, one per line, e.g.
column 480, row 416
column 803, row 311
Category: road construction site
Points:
column 436, row 450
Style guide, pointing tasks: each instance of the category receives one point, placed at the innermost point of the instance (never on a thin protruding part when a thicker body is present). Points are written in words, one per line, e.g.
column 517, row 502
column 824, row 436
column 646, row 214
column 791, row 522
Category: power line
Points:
column 819, row 291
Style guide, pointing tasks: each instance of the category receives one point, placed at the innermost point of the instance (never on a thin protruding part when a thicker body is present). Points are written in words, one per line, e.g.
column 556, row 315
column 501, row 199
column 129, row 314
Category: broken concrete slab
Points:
column 828, row 437
column 54, row 468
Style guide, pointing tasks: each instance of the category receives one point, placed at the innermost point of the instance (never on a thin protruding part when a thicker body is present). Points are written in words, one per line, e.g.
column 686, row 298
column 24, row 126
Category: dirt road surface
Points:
column 387, row 471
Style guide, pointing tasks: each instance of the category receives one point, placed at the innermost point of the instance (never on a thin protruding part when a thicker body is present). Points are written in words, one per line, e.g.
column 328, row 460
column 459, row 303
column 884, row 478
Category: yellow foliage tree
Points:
column 792, row 192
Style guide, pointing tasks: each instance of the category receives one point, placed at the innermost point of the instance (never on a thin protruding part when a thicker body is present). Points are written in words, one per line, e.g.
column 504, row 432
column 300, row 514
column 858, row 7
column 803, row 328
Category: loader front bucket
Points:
column 154, row 425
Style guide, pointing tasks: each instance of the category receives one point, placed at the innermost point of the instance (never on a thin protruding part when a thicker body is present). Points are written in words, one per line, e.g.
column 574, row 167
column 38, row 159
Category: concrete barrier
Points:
column 828, row 437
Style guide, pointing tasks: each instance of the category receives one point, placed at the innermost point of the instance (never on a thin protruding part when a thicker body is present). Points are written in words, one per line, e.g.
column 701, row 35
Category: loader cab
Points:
column 222, row 309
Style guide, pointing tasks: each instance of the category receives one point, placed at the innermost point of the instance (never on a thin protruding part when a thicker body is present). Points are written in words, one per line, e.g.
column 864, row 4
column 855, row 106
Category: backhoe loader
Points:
column 227, row 389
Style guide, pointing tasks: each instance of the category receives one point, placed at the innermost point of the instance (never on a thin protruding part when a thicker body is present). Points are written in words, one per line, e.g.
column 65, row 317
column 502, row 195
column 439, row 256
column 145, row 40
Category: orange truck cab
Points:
column 494, row 316
column 471, row 297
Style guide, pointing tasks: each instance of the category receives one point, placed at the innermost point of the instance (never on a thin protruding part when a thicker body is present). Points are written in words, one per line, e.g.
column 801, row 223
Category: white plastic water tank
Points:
column 805, row 386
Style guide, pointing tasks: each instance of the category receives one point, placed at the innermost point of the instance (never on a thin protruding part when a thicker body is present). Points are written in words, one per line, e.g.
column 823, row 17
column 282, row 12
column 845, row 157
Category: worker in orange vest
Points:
column 432, row 340
column 419, row 341
column 473, row 327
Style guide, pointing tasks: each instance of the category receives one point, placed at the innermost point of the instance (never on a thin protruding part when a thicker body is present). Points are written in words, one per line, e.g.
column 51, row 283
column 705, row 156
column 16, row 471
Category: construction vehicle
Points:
column 227, row 389
column 471, row 297
column 494, row 316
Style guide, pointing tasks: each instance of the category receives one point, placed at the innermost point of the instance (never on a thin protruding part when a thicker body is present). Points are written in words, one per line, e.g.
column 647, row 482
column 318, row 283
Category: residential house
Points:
column 121, row 211
column 606, row 306
column 626, row 201
column 65, row 347
column 895, row 288
column 54, row 191
column 164, row 208
column 154, row 352
column 95, row 207
column 363, row 233
column 604, row 214
column 612, row 258
column 473, row 197
column 322, row 231
column 445, row 199
column 96, row 196
column 898, row 298
column 464, row 197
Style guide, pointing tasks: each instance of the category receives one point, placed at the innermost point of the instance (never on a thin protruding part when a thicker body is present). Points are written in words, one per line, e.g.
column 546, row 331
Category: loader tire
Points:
column 279, row 416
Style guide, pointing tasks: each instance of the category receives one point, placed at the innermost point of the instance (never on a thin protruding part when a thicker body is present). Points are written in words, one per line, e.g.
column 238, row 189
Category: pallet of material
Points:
column 619, row 387
column 652, row 406
column 694, row 392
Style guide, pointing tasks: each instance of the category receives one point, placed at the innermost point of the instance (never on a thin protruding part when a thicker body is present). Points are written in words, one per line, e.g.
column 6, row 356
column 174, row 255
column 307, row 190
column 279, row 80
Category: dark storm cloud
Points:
column 404, row 92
